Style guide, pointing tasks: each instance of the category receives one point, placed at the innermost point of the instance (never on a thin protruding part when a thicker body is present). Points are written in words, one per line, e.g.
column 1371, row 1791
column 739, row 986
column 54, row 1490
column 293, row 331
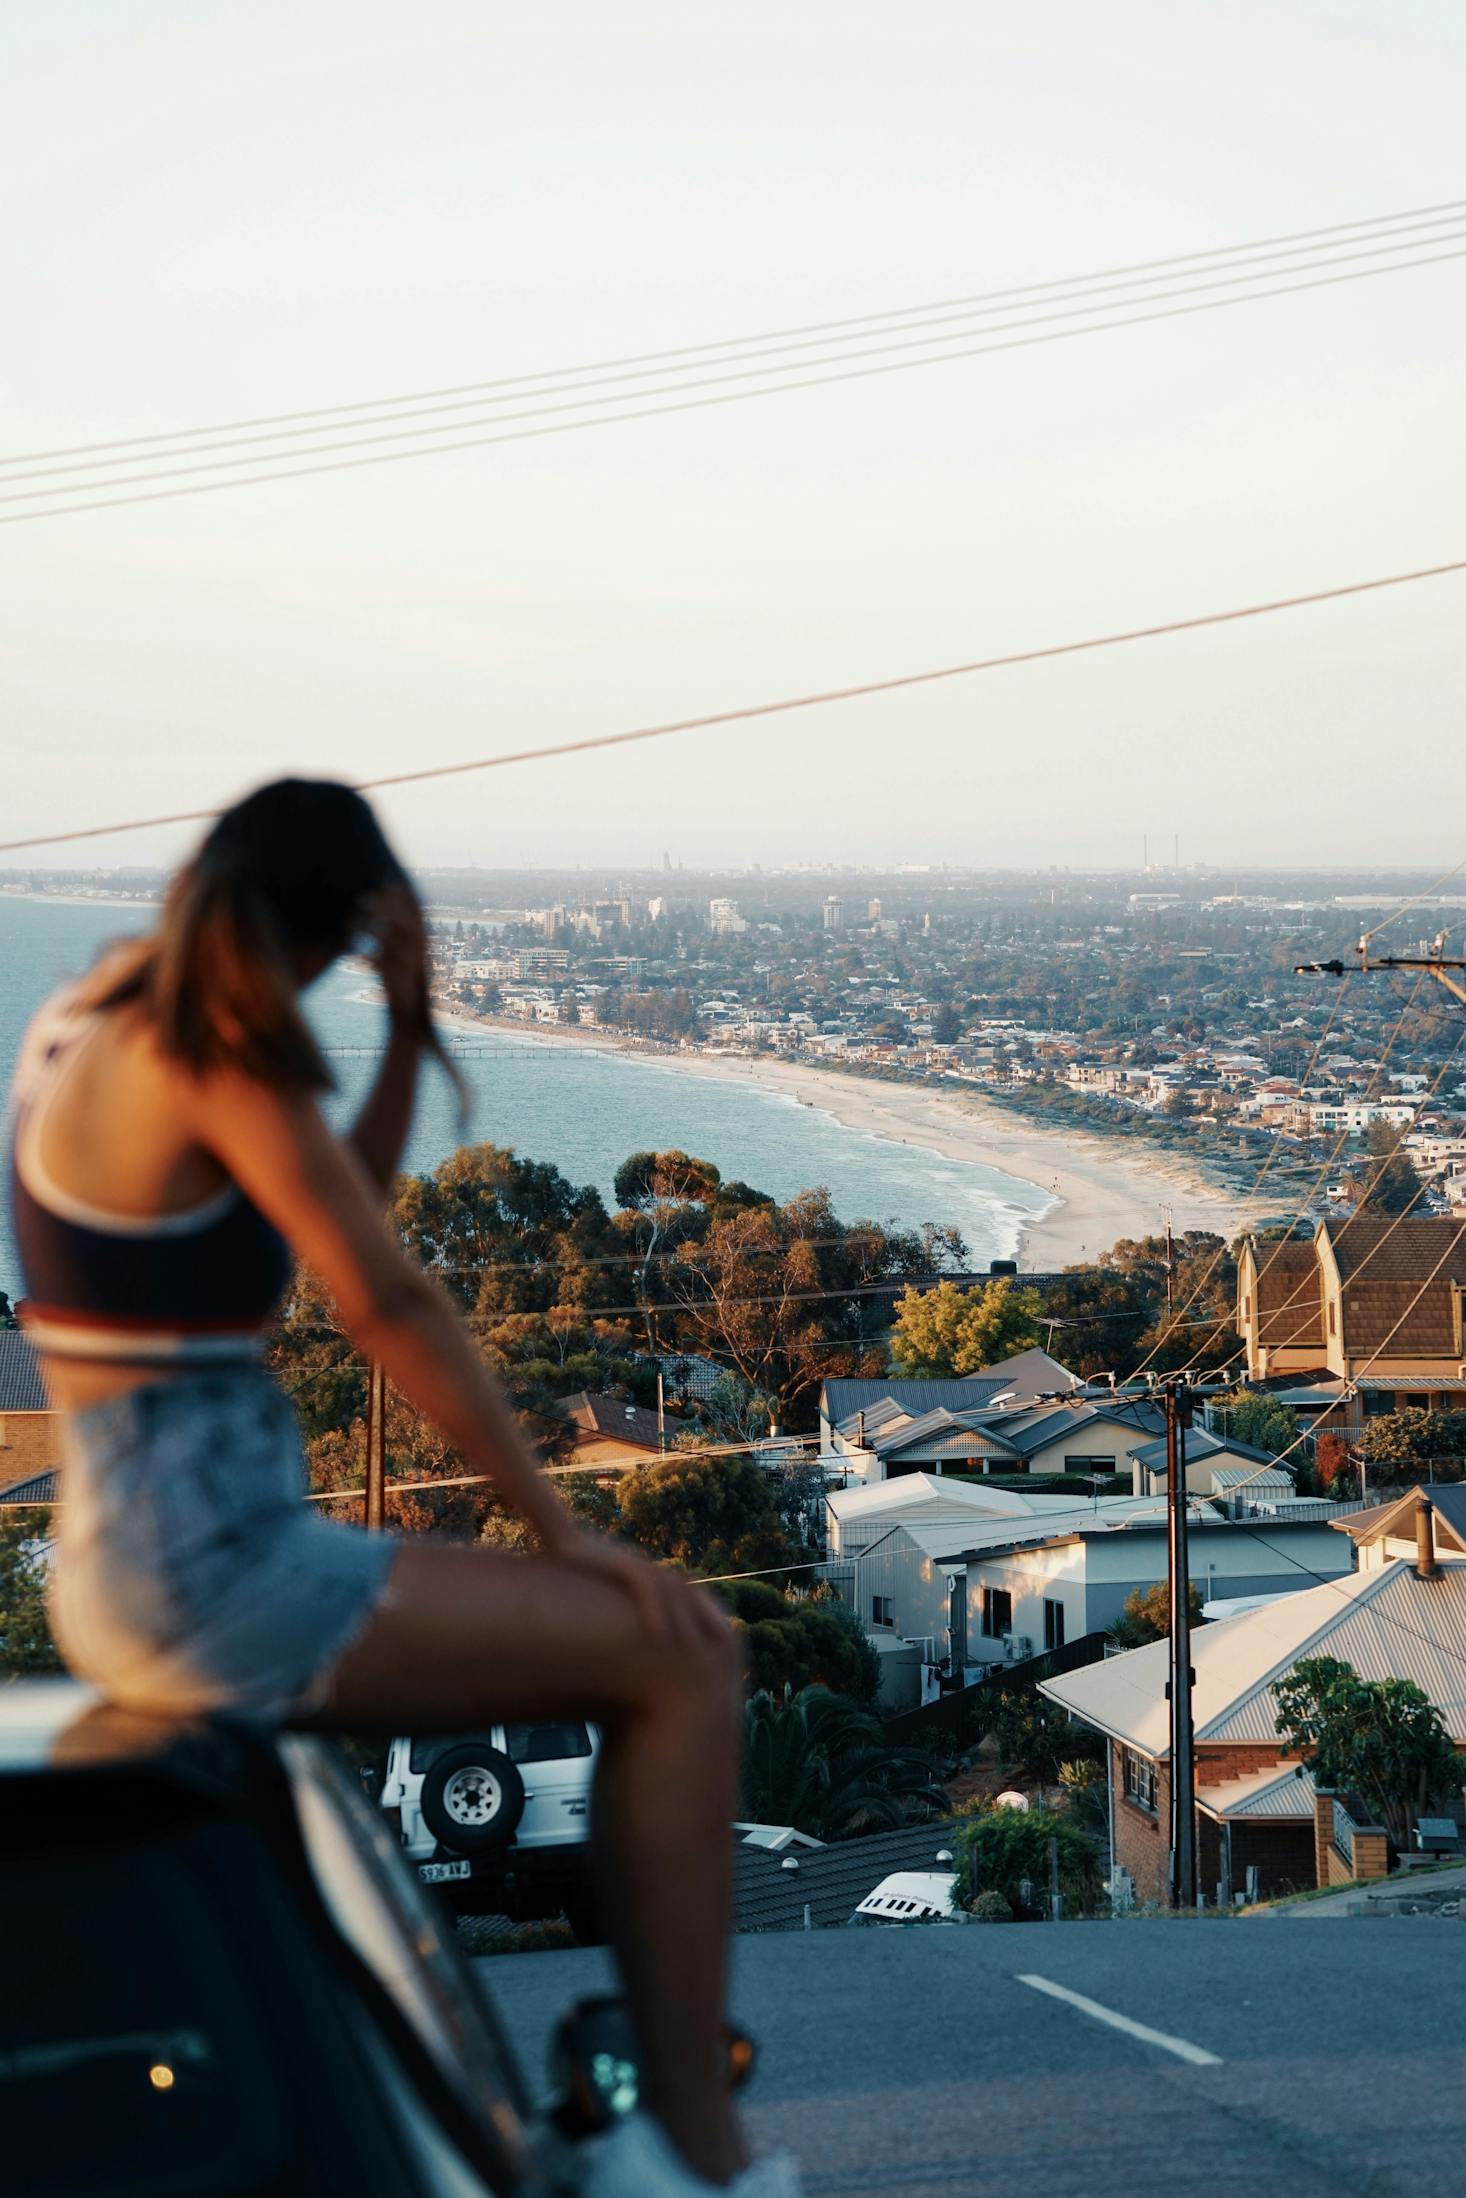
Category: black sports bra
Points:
column 193, row 1286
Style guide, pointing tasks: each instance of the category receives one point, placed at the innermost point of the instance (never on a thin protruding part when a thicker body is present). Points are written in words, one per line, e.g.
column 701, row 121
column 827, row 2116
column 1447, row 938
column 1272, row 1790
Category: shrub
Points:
column 1004, row 1846
column 991, row 1907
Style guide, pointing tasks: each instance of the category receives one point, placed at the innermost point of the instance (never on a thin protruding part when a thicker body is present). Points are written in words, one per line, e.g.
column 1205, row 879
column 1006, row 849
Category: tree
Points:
column 1147, row 1614
column 946, row 1026
column 1001, row 1850
column 1415, row 1444
column 1382, row 1739
column 788, row 1295
column 7, row 1312
column 950, row 1331
column 26, row 1646
column 816, row 1761
column 793, row 1641
column 1386, row 1182
column 1033, row 1736
column 1252, row 1416
column 710, row 1514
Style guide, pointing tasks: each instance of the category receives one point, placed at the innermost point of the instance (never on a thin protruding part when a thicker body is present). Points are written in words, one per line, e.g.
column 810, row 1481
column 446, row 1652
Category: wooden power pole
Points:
column 376, row 1447
column 1183, row 1752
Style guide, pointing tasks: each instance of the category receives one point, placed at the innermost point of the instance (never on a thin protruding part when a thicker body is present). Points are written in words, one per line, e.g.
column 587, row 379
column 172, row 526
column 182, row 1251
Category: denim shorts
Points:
column 191, row 1574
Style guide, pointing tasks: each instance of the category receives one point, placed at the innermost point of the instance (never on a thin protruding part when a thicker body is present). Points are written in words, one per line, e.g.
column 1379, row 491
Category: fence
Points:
column 963, row 1714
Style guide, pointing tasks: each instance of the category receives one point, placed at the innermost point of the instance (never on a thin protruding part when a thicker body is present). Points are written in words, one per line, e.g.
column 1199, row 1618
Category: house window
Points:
column 1053, row 1624
column 1139, row 1772
column 1333, row 1318
column 882, row 1610
column 997, row 1613
column 1082, row 1463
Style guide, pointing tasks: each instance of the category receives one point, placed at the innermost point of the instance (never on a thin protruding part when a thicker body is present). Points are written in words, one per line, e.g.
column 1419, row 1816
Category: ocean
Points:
column 585, row 1111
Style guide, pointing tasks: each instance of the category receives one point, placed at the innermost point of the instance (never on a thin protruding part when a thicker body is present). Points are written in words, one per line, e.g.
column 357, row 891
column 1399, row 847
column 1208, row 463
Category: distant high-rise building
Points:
column 666, row 859
column 872, row 911
column 833, row 913
column 656, row 908
column 723, row 917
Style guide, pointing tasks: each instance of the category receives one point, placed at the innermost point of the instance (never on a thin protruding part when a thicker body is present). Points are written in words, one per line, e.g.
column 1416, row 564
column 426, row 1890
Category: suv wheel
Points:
column 472, row 1798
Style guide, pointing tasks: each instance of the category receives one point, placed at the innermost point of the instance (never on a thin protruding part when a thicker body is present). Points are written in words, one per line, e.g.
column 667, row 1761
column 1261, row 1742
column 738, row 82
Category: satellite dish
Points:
column 1011, row 1800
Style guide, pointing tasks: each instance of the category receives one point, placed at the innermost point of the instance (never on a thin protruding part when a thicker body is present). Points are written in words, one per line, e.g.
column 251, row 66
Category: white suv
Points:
column 503, row 1814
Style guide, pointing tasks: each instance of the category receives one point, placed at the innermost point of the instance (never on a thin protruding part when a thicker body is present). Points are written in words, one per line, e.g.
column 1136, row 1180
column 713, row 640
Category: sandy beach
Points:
column 1102, row 1191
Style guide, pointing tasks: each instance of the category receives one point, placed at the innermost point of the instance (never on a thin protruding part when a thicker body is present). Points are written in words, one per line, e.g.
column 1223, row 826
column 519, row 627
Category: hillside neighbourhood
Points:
column 951, row 1575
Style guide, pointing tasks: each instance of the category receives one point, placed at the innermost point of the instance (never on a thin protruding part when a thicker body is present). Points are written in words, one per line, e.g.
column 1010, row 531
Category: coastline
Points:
column 1100, row 1193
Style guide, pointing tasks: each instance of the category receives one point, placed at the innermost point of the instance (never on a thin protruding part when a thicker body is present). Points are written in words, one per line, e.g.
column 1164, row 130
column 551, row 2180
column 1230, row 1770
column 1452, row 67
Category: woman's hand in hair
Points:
column 401, row 957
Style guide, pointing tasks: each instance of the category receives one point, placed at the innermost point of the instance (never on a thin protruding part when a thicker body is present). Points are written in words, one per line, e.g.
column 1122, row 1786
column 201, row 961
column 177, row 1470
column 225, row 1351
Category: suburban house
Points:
column 30, row 1438
column 995, row 1422
column 944, row 1578
column 1256, row 1809
column 1394, row 1529
column 1370, row 1302
column 1215, row 1466
column 609, row 1431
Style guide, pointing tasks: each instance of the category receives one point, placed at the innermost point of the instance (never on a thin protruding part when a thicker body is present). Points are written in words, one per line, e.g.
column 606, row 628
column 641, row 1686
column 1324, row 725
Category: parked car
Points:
column 500, row 1819
column 221, row 1981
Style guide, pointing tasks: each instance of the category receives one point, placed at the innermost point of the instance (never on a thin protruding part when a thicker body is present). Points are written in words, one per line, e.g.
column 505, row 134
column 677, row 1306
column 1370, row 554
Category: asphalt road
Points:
column 1327, row 2062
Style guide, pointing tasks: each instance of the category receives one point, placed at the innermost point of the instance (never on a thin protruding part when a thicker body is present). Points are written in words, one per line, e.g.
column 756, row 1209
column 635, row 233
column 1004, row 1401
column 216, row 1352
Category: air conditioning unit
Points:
column 1018, row 1648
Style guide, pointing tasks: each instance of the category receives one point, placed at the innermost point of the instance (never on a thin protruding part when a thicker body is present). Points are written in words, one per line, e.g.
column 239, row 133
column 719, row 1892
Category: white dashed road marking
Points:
column 1183, row 2049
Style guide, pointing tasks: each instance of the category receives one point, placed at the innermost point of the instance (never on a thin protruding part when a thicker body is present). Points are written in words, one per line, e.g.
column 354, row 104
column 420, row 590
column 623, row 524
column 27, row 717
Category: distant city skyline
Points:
column 224, row 214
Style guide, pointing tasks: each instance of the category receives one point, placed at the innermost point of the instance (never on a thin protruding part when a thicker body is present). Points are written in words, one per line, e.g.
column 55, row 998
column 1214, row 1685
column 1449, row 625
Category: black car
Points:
column 219, row 1978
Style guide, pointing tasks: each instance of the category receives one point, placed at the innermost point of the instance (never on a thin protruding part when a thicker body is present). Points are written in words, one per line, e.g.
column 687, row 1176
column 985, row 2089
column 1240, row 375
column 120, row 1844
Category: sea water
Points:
column 582, row 1109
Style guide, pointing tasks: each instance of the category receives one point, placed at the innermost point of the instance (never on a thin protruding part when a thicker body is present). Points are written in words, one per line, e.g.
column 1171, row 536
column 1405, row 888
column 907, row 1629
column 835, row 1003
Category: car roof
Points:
column 59, row 1728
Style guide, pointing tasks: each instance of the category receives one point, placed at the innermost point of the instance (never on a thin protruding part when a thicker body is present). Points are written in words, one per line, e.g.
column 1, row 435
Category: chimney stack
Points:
column 1426, row 1567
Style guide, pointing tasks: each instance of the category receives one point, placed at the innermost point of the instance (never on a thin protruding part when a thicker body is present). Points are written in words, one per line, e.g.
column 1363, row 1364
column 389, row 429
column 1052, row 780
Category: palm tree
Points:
column 815, row 1760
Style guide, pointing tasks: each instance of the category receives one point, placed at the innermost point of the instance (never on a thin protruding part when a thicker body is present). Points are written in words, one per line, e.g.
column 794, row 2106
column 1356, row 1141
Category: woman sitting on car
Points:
column 171, row 1163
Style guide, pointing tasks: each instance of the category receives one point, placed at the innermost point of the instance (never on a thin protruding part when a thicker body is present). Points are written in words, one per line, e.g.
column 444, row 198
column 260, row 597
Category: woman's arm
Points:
column 280, row 1151
column 401, row 962
column 379, row 1133
column 315, row 1189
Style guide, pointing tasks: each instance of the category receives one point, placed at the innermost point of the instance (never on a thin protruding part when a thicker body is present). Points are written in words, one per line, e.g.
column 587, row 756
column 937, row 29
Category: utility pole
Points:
column 1170, row 1263
column 376, row 1447
column 1183, row 1754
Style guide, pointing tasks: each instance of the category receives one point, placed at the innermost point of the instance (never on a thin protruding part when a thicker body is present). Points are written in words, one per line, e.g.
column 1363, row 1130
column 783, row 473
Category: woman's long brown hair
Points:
column 291, row 869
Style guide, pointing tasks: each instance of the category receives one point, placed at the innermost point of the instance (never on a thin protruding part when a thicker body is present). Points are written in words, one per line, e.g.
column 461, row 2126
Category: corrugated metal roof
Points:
column 21, row 1388
column 1270, row 1796
column 1387, row 1623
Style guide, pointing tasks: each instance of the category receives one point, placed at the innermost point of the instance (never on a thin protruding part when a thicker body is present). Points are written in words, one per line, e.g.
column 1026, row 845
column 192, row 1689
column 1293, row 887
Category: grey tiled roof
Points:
column 841, row 1399
column 20, row 1374
column 39, row 1488
column 832, row 1880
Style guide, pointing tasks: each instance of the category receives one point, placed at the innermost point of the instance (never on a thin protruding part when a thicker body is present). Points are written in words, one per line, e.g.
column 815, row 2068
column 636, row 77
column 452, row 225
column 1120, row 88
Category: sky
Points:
column 210, row 213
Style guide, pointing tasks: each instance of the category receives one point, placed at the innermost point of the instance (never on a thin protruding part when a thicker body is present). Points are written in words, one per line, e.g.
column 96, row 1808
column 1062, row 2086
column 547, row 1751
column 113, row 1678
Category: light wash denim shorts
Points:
column 191, row 1574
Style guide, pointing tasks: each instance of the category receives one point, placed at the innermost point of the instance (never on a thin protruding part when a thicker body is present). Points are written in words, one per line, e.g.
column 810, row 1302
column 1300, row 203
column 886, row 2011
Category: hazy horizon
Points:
column 222, row 214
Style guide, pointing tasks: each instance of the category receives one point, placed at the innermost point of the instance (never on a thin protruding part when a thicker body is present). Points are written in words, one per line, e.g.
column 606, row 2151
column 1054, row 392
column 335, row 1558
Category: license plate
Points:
column 438, row 1873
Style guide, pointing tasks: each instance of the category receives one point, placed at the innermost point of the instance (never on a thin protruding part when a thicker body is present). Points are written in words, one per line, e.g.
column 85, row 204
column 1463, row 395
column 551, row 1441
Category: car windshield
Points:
column 549, row 1743
column 136, row 2062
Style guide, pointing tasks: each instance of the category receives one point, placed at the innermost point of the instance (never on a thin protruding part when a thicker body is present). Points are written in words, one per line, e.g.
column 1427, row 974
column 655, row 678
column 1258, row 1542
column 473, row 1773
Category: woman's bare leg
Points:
column 472, row 1636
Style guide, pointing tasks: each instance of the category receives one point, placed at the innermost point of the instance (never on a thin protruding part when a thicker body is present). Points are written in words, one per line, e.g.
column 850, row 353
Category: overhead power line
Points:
column 749, row 712
column 1386, row 231
column 543, row 420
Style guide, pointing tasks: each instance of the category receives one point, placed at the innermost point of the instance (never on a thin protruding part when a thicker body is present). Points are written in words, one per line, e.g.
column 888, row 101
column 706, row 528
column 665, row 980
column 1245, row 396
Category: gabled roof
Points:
column 1201, row 1443
column 614, row 1419
column 918, row 1491
column 971, row 1433
column 1045, row 1424
column 21, row 1388
column 1396, row 1521
column 1388, row 1623
column 832, row 1880
column 842, row 1400
column 1398, row 1250
column 1289, row 1291
column 1399, row 1282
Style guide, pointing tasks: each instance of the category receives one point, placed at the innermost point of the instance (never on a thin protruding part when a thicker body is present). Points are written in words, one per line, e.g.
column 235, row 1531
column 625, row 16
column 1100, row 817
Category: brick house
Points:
column 30, row 1428
column 1256, row 1808
column 607, row 1430
column 1376, row 1301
